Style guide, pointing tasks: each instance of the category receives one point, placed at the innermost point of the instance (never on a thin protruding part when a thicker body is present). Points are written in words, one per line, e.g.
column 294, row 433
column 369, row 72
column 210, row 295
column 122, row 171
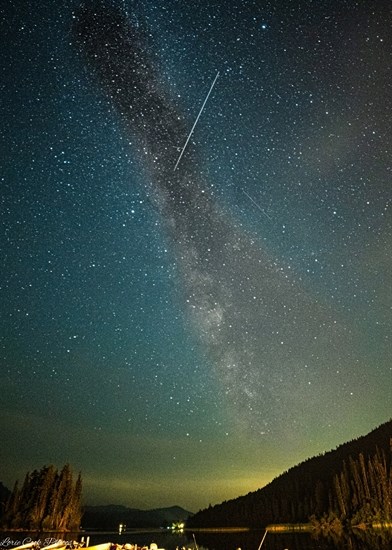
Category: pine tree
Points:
column 47, row 500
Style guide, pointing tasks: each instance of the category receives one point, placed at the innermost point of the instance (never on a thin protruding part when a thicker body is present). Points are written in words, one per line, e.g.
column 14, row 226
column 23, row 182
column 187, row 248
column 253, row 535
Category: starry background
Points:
column 103, row 362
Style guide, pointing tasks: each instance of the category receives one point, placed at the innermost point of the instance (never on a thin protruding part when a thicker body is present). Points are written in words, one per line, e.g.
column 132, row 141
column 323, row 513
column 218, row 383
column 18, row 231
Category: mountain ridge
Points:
column 109, row 516
column 333, row 483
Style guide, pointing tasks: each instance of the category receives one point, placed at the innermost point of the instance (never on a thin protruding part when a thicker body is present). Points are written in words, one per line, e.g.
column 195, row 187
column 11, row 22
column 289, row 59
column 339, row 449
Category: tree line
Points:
column 47, row 500
column 350, row 485
column 362, row 490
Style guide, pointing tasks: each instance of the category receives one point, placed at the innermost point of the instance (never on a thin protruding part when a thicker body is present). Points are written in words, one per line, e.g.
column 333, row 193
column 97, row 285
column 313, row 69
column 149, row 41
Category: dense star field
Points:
column 196, row 240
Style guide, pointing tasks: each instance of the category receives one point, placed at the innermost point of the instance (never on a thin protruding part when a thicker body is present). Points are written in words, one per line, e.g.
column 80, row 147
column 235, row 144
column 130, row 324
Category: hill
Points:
column 110, row 516
column 351, row 484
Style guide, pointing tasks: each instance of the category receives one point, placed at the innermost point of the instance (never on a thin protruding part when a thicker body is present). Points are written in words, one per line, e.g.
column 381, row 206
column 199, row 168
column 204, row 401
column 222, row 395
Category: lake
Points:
column 245, row 540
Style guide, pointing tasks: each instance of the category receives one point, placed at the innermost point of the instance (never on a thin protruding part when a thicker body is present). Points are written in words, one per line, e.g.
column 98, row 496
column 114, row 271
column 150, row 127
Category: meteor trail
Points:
column 257, row 205
column 197, row 118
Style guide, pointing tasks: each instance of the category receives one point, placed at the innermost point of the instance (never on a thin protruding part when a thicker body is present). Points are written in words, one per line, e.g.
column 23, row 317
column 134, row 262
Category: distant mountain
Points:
column 351, row 484
column 109, row 517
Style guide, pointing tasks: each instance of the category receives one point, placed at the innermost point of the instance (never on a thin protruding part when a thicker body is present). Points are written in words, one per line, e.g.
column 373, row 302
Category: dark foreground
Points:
column 218, row 540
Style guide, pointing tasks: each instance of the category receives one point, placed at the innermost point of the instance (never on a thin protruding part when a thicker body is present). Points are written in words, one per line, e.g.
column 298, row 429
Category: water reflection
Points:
column 361, row 540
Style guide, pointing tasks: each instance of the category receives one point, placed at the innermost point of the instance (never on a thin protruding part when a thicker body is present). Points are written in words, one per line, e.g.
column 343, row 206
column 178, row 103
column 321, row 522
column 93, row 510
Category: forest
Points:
column 48, row 500
column 351, row 485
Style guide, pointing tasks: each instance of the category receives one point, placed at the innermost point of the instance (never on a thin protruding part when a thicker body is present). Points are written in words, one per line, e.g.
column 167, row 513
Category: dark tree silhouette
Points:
column 48, row 499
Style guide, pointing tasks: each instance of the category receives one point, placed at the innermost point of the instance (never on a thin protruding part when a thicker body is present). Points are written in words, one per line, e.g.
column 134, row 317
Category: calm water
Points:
column 381, row 540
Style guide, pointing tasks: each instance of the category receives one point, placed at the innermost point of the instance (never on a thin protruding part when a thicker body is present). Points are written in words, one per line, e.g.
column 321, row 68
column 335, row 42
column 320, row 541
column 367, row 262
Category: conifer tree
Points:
column 47, row 500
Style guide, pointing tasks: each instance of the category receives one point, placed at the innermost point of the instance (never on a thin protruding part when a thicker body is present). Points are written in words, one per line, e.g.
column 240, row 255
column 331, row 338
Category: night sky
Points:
column 183, row 334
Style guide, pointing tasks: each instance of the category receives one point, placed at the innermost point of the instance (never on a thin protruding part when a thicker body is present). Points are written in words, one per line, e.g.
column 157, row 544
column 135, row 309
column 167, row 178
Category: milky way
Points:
column 246, row 307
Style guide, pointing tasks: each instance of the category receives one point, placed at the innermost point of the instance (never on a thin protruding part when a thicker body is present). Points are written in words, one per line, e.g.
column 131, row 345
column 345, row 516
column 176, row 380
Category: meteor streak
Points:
column 196, row 121
column 257, row 205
